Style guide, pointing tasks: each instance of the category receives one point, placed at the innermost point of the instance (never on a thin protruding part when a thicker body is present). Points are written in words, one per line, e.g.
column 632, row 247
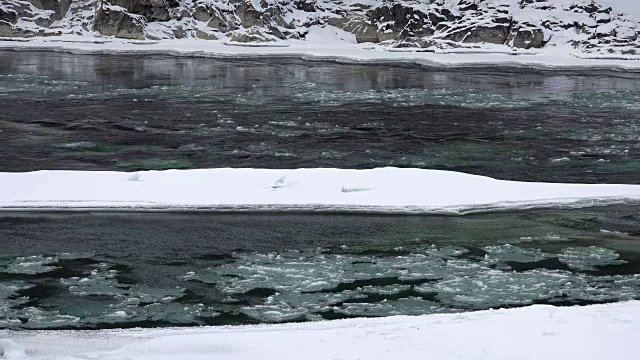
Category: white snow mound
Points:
column 382, row 189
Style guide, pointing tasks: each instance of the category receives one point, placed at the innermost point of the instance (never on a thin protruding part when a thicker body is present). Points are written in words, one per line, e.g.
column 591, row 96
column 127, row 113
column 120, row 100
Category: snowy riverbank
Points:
column 535, row 332
column 554, row 33
column 377, row 190
column 340, row 51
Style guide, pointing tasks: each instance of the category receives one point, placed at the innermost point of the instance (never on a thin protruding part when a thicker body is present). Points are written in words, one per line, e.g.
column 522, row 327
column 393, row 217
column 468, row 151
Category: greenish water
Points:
column 88, row 112
column 97, row 270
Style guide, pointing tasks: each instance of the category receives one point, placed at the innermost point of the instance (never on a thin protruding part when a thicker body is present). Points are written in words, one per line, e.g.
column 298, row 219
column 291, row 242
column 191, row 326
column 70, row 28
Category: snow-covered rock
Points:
column 115, row 20
column 599, row 27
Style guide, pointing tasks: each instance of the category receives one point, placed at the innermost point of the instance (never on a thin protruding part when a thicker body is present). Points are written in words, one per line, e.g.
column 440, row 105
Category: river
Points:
column 86, row 270
column 108, row 112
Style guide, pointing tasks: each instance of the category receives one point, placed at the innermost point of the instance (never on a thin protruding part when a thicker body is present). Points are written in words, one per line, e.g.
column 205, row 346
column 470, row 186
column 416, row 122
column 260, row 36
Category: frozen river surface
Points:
column 97, row 270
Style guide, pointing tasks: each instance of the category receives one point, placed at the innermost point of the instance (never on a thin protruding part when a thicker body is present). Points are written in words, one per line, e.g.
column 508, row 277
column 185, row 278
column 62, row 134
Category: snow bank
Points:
column 343, row 51
column 536, row 332
column 383, row 189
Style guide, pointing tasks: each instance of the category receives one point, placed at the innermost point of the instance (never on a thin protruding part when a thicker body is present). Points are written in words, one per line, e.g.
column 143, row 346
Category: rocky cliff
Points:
column 585, row 25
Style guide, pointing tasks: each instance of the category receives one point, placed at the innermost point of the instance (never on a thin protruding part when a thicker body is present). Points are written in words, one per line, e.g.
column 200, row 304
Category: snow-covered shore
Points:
column 535, row 332
column 375, row 190
column 489, row 55
column 546, row 34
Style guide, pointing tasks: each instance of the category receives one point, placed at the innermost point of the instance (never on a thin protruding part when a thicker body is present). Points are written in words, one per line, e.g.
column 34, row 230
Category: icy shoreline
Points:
column 491, row 55
column 534, row 332
column 382, row 190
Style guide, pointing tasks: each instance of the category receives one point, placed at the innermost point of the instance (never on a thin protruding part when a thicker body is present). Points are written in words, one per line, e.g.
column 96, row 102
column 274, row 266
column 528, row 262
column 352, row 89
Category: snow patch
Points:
column 328, row 34
column 383, row 189
column 10, row 350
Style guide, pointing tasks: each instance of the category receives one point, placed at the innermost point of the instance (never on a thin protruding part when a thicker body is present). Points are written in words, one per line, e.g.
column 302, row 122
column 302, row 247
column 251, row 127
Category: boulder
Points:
column 205, row 35
column 488, row 34
column 152, row 10
column 59, row 7
column 626, row 34
column 400, row 21
column 274, row 17
column 9, row 30
column 15, row 10
column 526, row 37
column 245, row 36
column 44, row 21
column 248, row 15
column 412, row 42
column 268, row 18
column 114, row 21
column 202, row 13
column 219, row 22
column 179, row 33
column 305, row 5
column 467, row 5
column 363, row 29
column 8, row 16
column 591, row 7
column 494, row 33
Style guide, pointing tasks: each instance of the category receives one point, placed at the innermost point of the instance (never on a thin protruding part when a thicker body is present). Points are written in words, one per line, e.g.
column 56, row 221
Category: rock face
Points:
column 582, row 25
column 361, row 27
column 115, row 21
column 8, row 16
column 526, row 37
column 59, row 7
column 152, row 10
column 399, row 22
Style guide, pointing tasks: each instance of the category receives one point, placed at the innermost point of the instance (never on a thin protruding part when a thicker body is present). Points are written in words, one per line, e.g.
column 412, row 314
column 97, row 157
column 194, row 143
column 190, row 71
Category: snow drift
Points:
column 381, row 190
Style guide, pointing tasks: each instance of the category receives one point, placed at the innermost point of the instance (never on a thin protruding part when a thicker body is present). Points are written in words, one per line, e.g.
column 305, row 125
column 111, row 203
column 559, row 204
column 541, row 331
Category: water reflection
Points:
column 154, row 112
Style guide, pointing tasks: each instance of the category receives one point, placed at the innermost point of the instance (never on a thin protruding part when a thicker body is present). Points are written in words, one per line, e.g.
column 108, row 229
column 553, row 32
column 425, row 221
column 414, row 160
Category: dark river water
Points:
column 62, row 111
column 99, row 270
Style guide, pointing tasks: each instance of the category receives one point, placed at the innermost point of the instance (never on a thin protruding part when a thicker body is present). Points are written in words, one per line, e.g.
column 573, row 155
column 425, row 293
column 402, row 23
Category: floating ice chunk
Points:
column 9, row 289
column 612, row 288
column 32, row 265
column 276, row 313
column 588, row 258
column 314, row 302
column 288, row 271
column 443, row 251
column 544, row 239
column 406, row 306
column 166, row 312
column 10, row 300
column 80, row 145
column 503, row 253
column 37, row 318
column 385, row 290
column 119, row 313
column 498, row 288
column 101, row 281
column 615, row 233
column 74, row 256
